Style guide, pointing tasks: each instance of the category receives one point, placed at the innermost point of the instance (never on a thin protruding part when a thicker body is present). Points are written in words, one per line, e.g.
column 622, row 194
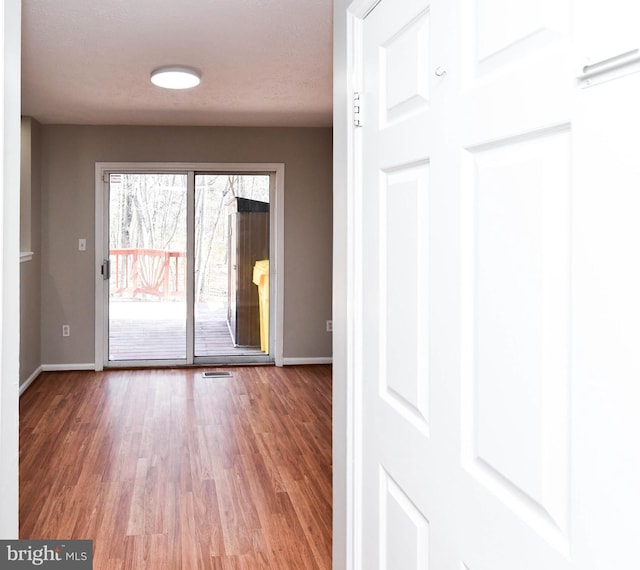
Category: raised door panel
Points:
column 404, row 530
column 502, row 32
column 515, row 323
column 517, row 68
column 404, row 276
column 515, row 163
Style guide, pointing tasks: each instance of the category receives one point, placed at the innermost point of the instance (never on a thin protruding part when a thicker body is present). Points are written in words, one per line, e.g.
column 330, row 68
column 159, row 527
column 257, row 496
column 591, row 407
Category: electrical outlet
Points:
column 329, row 326
column 66, row 330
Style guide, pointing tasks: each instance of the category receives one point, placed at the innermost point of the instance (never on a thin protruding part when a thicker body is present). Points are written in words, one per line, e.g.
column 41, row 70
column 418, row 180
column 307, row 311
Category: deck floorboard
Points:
column 158, row 332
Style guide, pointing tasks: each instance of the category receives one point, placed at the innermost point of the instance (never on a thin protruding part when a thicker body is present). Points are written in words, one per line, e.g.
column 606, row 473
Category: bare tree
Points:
column 148, row 211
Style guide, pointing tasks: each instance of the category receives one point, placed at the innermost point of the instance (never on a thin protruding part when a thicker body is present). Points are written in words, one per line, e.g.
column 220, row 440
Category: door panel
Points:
column 232, row 233
column 404, row 267
column 516, row 68
column 515, row 353
column 505, row 32
column 404, row 529
column 514, row 166
column 467, row 285
column 396, row 295
column 403, row 94
column 147, row 225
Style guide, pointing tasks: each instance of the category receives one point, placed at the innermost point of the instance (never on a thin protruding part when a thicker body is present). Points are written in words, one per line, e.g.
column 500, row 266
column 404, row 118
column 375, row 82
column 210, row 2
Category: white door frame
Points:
column 349, row 285
column 276, row 312
column 9, row 263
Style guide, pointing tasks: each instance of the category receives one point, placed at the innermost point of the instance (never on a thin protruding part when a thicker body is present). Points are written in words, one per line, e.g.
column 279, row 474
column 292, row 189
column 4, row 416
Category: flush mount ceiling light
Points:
column 175, row 77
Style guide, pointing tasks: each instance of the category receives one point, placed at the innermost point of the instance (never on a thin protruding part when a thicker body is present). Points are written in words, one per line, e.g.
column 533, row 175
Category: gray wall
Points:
column 30, row 304
column 69, row 154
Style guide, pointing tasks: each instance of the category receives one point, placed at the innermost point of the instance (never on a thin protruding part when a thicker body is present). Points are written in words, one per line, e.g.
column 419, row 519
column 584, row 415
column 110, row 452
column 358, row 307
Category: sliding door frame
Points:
column 276, row 253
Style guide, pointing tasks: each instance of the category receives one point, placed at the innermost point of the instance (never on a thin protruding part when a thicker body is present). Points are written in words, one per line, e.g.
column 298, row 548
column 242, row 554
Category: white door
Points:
column 398, row 157
column 479, row 368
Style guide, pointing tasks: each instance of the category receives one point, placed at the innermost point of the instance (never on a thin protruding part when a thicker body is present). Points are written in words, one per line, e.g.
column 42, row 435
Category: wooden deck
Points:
column 156, row 330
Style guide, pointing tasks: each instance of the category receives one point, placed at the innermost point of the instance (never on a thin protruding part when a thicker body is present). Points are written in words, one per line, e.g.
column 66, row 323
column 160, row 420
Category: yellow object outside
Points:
column 261, row 279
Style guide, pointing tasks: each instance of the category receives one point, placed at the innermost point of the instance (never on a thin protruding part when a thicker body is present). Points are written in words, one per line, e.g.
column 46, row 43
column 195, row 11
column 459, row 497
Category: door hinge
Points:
column 357, row 110
column 105, row 177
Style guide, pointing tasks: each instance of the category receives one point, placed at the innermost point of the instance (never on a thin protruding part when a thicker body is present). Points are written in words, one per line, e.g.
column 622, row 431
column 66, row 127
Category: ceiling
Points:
column 263, row 62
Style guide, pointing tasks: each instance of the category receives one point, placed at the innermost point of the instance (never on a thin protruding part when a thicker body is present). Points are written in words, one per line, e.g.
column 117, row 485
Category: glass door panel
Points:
column 148, row 261
column 231, row 265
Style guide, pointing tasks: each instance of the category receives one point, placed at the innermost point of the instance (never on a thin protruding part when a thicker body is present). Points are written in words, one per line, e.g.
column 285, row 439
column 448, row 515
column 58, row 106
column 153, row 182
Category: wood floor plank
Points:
column 166, row 469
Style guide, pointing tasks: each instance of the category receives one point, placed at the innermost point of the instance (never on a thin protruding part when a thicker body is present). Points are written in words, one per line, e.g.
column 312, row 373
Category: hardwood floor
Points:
column 164, row 469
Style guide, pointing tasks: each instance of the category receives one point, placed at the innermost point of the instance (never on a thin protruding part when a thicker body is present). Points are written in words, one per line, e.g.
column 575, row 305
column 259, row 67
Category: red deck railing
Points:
column 140, row 272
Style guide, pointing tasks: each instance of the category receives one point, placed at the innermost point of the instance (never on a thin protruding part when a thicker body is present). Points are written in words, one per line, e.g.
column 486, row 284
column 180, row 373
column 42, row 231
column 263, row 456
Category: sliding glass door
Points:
column 188, row 267
column 147, row 258
column 231, row 245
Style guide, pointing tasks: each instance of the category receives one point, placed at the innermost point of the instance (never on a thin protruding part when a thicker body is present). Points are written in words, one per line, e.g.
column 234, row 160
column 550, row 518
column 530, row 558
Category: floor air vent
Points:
column 216, row 374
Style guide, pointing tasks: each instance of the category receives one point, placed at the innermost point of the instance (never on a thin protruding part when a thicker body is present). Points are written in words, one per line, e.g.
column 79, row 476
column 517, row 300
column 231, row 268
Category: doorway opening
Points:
column 187, row 264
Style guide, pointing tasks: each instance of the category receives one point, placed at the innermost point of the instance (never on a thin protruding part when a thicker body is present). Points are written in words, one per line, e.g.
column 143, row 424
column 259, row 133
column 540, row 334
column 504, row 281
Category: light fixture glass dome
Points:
column 175, row 77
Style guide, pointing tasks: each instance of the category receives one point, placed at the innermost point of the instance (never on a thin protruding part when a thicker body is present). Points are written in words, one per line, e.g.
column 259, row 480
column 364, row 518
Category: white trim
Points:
column 276, row 274
column 91, row 366
column 10, row 31
column 26, row 256
column 67, row 367
column 191, row 264
column 301, row 361
column 343, row 473
column 29, row 380
column 355, row 284
column 114, row 364
column 276, row 333
column 198, row 362
column 100, row 322
column 349, row 183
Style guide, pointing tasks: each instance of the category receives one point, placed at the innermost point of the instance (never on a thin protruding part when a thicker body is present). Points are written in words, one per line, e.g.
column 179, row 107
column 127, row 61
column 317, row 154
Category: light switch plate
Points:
column 82, row 244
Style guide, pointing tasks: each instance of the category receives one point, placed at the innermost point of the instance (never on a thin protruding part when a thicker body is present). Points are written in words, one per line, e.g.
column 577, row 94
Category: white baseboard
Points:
column 67, row 367
column 91, row 366
column 29, row 380
column 301, row 361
